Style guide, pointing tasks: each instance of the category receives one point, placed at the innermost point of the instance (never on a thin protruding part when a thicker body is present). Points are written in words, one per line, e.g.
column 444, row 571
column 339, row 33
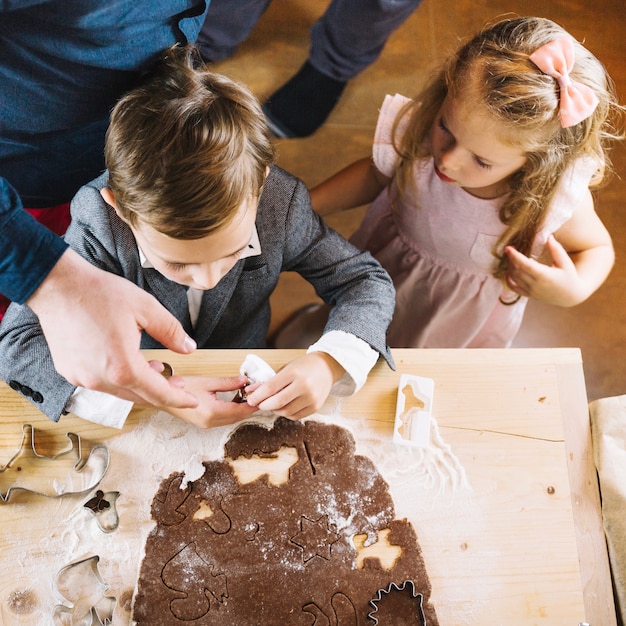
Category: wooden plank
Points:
column 592, row 548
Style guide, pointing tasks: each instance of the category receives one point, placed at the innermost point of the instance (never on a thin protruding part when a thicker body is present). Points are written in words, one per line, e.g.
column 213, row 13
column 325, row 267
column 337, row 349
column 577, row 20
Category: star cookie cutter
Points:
column 65, row 473
column 406, row 585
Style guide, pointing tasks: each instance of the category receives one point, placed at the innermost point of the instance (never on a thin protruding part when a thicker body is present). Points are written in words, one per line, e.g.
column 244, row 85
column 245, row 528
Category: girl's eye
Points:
column 481, row 163
column 442, row 126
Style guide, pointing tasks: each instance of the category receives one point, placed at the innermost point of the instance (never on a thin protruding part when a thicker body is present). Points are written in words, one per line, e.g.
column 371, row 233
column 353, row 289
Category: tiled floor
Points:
column 279, row 45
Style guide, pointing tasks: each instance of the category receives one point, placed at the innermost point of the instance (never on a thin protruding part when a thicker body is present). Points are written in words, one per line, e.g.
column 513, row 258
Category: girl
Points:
column 486, row 172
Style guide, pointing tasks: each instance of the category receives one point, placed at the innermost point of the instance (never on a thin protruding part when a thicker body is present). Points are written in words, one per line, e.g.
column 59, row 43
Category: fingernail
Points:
column 189, row 345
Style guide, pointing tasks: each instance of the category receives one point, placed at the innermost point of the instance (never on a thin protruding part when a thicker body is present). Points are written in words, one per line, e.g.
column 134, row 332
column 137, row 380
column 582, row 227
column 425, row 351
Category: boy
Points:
column 193, row 210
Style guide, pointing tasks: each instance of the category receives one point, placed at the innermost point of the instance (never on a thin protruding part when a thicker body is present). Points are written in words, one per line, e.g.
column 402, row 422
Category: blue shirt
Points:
column 63, row 65
column 28, row 250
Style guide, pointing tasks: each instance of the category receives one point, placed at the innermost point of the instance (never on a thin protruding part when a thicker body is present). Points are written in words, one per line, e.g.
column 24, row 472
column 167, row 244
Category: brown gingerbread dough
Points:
column 259, row 553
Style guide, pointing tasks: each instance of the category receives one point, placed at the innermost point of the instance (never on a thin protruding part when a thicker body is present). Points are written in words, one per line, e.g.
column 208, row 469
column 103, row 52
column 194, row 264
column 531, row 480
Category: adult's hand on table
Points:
column 92, row 321
column 211, row 410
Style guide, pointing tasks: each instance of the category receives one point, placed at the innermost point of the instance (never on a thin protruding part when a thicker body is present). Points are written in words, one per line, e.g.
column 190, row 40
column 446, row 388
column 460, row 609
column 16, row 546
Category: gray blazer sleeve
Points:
column 26, row 363
column 350, row 280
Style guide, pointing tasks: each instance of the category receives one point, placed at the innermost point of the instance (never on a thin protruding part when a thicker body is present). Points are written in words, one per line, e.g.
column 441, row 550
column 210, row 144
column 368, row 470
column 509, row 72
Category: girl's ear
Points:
column 109, row 198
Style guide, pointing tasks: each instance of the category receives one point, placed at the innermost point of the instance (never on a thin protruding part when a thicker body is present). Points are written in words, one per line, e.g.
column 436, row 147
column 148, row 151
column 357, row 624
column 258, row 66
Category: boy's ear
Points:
column 109, row 198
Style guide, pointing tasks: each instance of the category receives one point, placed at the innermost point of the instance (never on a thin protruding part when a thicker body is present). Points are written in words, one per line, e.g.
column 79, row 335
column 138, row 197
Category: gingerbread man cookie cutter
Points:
column 67, row 472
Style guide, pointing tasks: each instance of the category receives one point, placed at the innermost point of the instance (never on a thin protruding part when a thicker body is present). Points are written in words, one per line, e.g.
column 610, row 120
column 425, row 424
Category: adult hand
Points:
column 92, row 321
column 298, row 389
column 211, row 411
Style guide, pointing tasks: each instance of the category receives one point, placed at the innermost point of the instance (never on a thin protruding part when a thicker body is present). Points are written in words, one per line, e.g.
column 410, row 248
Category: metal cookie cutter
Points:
column 52, row 476
column 81, row 585
column 410, row 588
column 256, row 370
column 102, row 506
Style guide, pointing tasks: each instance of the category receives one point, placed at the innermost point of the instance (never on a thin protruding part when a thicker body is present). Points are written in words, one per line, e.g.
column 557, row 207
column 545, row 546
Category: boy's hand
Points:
column 300, row 388
column 557, row 284
column 211, row 411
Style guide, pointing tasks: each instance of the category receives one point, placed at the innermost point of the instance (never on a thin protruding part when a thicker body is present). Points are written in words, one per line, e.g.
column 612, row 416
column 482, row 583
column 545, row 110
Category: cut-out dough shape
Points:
column 81, row 584
column 52, row 476
column 166, row 509
column 386, row 553
column 316, row 538
column 213, row 515
column 398, row 601
column 276, row 467
column 343, row 609
column 196, row 591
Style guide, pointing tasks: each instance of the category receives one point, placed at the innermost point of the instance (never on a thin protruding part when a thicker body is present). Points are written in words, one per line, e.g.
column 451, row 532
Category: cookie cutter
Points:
column 413, row 411
column 410, row 587
column 240, row 395
column 81, row 584
column 52, row 476
column 102, row 507
column 256, row 370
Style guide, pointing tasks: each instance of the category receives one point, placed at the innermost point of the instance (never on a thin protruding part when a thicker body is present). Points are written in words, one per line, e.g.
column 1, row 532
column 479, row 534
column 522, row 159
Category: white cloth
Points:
column 608, row 429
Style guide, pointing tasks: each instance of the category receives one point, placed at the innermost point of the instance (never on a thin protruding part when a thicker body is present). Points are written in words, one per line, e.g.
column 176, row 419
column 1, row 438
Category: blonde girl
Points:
column 480, row 187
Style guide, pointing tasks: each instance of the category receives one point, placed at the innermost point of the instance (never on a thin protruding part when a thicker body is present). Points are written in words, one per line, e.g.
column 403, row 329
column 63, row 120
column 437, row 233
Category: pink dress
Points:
column 437, row 249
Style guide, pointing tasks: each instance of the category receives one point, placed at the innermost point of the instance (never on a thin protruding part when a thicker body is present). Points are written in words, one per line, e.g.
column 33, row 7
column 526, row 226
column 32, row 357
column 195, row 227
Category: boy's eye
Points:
column 176, row 267
column 237, row 254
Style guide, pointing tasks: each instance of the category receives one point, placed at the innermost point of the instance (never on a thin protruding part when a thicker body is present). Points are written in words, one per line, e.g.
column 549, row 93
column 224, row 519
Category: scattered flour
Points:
column 429, row 487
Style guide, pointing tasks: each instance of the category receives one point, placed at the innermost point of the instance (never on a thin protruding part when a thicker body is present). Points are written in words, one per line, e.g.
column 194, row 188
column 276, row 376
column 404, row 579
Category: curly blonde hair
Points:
column 186, row 149
column 492, row 72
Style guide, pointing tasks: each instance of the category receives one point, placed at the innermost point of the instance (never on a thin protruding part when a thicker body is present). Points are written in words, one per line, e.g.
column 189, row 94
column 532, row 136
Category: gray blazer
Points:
column 236, row 312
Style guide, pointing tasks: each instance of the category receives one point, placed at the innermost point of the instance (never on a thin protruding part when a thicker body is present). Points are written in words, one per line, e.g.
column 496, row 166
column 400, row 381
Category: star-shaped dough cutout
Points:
column 315, row 538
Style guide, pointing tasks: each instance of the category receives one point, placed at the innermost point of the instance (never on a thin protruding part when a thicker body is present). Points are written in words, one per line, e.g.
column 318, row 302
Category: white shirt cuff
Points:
column 356, row 356
column 99, row 407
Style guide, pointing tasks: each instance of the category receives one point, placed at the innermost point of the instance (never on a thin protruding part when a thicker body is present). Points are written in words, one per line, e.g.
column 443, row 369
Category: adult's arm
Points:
column 28, row 250
column 91, row 320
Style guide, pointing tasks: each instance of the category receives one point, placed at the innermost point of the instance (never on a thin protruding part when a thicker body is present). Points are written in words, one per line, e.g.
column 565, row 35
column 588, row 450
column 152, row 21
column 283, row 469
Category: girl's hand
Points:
column 298, row 389
column 211, row 411
column 558, row 284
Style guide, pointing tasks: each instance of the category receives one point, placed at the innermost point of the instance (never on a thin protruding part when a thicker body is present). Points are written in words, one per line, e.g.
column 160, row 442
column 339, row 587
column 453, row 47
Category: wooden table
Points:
column 526, row 546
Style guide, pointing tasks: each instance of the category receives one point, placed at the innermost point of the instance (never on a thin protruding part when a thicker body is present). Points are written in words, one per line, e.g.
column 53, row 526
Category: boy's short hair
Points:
column 186, row 149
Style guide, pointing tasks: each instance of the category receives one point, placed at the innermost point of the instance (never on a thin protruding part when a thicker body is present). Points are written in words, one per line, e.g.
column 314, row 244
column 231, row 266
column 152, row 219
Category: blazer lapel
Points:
column 214, row 303
column 171, row 295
